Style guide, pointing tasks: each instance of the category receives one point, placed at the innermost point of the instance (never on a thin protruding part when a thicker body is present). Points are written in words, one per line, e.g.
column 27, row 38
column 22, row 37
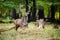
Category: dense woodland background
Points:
column 13, row 9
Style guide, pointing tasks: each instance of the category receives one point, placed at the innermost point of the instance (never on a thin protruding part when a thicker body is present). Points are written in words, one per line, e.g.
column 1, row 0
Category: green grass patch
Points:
column 31, row 33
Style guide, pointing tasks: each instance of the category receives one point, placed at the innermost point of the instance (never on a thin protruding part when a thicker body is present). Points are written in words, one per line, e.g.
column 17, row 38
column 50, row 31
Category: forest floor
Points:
column 30, row 33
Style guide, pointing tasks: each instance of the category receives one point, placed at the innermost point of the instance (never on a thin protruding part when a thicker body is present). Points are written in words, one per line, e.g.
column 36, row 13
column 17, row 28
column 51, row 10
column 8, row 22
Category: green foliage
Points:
column 8, row 4
column 7, row 20
column 57, row 15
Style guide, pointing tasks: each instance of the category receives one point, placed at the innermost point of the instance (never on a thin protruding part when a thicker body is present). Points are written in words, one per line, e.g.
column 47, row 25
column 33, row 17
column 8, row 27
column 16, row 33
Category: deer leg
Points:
column 0, row 32
column 43, row 26
column 26, row 25
column 37, row 24
column 16, row 27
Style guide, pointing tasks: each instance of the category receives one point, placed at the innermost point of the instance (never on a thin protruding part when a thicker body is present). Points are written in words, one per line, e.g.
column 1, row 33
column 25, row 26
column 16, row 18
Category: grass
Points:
column 30, row 33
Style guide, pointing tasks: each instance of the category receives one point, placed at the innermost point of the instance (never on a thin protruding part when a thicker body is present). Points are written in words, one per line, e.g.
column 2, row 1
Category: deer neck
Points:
column 25, row 19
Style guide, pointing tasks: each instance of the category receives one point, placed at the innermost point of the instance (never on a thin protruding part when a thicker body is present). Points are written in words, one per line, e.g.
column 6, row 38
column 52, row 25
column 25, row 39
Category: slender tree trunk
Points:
column 27, row 8
column 14, row 14
column 30, row 16
column 59, row 13
column 49, row 14
column 34, row 11
column 41, row 13
column 52, row 13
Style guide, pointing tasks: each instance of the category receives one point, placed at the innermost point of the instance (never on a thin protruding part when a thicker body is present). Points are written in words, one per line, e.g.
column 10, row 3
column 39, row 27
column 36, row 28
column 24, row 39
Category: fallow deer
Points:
column 40, row 23
column 22, row 22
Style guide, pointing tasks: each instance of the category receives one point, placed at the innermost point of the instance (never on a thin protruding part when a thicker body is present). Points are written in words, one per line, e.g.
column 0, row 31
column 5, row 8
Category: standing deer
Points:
column 22, row 22
column 40, row 23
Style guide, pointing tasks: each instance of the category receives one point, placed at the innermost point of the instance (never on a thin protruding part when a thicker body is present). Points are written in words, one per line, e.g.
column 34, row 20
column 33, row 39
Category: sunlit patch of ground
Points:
column 30, row 33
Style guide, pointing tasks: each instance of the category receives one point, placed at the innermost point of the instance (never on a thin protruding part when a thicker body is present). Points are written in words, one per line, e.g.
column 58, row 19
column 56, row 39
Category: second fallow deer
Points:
column 40, row 23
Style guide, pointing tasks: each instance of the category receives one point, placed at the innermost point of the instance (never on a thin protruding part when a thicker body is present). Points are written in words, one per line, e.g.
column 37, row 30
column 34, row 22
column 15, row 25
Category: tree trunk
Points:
column 27, row 8
column 34, row 11
column 41, row 13
column 49, row 14
column 14, row 14
column 30, row 16
column 52, row 13
column 59, row 13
